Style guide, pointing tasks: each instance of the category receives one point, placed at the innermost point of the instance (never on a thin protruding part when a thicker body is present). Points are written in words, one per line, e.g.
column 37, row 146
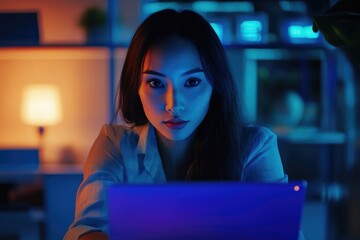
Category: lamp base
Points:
column 41, row 131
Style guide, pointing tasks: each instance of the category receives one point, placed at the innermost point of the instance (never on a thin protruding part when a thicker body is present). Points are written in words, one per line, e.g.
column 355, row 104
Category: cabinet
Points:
column 59, row 184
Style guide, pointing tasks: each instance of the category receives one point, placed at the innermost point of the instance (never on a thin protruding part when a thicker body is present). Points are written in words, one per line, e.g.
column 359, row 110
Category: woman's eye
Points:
column 192, row 82
column 154, row 83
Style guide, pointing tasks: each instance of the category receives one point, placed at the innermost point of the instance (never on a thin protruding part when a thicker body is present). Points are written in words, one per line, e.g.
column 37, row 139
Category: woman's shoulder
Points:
column 258, row 133
column 111, row 141
column 262, row 161
column 256, row 137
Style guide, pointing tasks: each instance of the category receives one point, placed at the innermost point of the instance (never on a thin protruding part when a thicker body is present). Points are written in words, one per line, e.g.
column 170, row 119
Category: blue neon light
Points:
column 213, row 6
column 152, row 7
column 297, row 31
column 251, row 30
column 201, row 6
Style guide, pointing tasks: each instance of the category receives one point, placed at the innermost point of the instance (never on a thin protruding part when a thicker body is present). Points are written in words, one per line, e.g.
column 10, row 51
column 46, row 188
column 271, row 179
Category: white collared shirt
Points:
column 130, row 155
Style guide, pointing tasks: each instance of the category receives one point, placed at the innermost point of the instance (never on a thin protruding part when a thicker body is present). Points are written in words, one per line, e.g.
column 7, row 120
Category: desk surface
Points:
column 22, row 173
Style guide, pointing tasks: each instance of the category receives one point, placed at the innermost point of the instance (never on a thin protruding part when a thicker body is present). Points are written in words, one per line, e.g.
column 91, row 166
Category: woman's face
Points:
column 174, row 91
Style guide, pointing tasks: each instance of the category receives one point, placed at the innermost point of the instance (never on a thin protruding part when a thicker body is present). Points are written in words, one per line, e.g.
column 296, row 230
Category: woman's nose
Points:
column 173, row 101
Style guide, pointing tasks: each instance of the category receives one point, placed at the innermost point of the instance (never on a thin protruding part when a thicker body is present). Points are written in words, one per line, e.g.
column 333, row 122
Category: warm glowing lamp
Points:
column 41, row 107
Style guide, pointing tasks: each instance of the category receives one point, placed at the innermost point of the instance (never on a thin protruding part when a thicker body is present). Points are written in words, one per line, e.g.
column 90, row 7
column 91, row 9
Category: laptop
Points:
column 206, row 210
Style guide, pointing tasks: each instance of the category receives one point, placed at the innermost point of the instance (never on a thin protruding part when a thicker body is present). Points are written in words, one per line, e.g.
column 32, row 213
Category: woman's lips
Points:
column 176, row 123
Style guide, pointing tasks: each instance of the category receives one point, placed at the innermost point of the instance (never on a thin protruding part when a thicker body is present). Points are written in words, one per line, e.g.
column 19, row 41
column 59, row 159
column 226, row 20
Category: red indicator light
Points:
column 296, row 188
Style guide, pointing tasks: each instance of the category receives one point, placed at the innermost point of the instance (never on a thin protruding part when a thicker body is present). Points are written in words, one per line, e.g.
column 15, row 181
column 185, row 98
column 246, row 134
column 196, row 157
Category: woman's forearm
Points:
column 96, row 235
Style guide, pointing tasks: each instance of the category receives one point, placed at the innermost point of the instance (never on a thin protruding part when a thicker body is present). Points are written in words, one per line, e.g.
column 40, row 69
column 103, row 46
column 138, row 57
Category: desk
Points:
column 60, row 183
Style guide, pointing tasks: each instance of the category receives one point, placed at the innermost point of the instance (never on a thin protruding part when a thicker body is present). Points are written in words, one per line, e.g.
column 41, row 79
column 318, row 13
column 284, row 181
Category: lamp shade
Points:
column 41, row 105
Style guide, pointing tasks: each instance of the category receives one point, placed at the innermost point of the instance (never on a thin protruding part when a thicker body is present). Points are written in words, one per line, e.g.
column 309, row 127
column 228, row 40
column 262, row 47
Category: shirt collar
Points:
column 147, row 147
column 147, row 140
column 143, row 132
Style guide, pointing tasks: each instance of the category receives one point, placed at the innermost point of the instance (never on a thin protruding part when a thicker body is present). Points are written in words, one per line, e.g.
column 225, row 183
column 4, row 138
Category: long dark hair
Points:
column 217, row 152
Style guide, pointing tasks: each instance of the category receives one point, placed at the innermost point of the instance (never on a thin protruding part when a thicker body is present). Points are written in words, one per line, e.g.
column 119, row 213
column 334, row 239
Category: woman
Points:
column 179, row 100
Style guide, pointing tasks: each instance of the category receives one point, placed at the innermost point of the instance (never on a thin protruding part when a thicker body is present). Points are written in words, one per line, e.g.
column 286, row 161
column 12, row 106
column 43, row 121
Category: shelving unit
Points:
column 321, row 153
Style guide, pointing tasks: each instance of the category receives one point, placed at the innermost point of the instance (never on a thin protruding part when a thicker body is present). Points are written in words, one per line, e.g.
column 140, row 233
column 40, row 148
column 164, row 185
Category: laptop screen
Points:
column 206, row 210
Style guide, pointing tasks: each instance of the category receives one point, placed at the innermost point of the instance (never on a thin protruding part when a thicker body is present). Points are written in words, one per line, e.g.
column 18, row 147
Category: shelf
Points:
column 277, row 45
column 310, row 136
column 229, row 46
column 43, row 170
column 66, row 45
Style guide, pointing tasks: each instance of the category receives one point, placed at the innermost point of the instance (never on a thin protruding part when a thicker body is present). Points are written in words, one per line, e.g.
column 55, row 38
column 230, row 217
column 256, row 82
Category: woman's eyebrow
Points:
column 195, row 70
column 154, row 73
column 191, row 71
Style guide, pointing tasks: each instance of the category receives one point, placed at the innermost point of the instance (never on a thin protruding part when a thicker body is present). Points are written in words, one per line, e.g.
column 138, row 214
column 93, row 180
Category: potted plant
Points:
column 93, row 20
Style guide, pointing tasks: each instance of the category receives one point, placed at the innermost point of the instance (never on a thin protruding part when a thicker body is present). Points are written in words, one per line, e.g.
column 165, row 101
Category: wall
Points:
column 81, row 76
column 58, row 20
column 81, row 73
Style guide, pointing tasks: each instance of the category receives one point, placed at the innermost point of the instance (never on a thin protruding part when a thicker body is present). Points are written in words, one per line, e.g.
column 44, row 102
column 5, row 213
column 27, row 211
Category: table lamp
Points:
column 41, row 107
